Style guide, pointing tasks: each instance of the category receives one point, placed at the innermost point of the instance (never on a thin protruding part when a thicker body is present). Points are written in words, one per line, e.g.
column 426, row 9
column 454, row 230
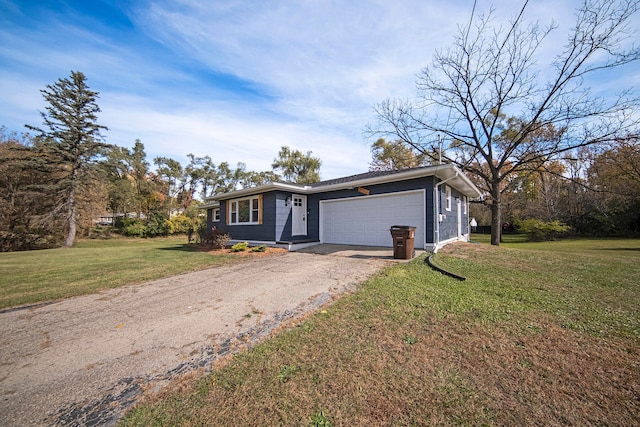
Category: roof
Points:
column 360, row 176
column 446, row 172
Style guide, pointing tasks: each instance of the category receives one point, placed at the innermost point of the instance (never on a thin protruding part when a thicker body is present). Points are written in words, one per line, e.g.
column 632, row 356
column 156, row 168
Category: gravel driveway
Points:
column 84, row 360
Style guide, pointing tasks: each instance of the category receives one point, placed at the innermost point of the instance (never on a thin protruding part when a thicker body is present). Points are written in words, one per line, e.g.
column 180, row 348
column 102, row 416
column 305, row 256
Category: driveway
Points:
column 84, row 360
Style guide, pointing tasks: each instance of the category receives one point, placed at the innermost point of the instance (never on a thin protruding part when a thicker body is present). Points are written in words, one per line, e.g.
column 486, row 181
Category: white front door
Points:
column 298, row 215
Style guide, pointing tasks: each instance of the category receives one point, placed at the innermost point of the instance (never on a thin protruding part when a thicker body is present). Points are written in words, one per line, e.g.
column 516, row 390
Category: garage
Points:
column 366, row 220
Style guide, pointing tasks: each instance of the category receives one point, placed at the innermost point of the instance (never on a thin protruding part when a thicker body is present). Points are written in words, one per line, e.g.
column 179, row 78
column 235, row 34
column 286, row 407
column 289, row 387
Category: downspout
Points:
column 436, row 213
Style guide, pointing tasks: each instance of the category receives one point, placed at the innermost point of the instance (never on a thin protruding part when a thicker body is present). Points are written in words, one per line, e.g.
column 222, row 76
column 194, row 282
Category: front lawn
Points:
column 37, row 276
column 538, row 334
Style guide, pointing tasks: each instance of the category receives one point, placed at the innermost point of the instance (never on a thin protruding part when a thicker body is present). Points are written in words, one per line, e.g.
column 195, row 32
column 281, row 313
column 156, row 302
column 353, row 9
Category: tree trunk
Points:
column 496, row 219
column 72, row 214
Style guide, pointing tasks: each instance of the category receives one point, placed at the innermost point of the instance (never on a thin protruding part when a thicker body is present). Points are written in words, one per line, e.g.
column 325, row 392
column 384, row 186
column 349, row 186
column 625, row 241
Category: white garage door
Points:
column 366, row 220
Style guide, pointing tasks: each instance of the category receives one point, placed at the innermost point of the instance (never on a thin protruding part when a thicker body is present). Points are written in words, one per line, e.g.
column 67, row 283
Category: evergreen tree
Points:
column 28, row 217
column 72, row 134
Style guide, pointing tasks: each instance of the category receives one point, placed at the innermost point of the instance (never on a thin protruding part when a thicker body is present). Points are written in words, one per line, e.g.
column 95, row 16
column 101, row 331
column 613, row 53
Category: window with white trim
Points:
column 447, row 202
column 245, row 211
column 215, row 216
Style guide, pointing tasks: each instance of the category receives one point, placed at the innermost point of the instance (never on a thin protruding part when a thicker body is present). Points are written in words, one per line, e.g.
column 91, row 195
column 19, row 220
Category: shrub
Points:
column 133, row 227
column 212, row 236
column 180, row 224
column 220, row 240
column 157, row 225
column 205, row 234
column 537, row 230
column 240, row 247
column 261, row 248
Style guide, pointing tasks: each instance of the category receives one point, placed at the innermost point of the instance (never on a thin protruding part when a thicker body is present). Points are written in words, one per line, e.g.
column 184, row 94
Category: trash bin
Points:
column 403, row 238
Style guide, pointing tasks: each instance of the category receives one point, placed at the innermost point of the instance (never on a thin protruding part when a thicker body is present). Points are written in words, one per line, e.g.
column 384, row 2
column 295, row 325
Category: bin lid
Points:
column 402, row 227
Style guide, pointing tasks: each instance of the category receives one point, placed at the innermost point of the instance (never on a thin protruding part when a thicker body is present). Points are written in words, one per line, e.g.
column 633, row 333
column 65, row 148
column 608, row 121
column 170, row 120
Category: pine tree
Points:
column 72, row 134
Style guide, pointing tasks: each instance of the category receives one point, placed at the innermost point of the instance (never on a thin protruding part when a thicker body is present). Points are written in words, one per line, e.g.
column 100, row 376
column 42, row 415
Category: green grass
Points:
column 588, row 284
column 91, row 265
column 531, row 325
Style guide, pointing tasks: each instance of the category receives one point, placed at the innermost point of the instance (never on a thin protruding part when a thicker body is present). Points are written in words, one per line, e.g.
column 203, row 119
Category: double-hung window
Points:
column 245, row 211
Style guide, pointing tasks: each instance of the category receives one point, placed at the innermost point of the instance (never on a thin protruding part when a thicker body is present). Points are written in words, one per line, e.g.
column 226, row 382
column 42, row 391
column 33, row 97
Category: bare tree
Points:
column 502, row 112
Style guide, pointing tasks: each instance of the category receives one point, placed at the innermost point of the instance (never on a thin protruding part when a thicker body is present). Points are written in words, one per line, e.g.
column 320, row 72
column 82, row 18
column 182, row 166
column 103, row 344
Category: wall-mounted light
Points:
column 287, row 201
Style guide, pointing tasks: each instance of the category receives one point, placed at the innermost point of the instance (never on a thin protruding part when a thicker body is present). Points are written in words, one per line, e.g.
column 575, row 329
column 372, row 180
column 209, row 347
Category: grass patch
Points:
column 538, row 334
column 91, row 265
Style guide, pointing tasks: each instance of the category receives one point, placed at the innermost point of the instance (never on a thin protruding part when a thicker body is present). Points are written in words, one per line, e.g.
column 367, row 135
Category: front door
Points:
column 298, row 215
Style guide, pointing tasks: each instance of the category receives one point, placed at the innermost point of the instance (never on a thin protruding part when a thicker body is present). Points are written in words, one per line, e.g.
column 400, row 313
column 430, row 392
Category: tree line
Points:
column 595, row 193
column 59, row 180
column 489, row 105
column 539, row 142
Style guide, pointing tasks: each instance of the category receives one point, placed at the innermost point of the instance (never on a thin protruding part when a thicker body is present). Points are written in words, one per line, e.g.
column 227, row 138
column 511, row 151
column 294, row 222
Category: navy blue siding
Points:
column 257, row 232
column 210, row 218
column 449, row 225
column 276, row 217
column 425, row 183
column 429, row 216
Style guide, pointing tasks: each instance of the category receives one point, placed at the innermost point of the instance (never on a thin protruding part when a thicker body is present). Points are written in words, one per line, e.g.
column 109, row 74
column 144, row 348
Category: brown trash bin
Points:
column 403, row 241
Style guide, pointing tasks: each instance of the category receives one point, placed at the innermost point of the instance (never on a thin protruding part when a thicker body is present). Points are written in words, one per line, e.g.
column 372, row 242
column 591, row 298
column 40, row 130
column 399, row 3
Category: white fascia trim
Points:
column 210, row 205
column 260, row 189
column 400, row 176
column 447, row 171
column 459, row 180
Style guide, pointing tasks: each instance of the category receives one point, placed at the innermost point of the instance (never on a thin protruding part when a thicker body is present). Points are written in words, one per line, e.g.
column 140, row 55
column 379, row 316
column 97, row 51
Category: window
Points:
column 245, row 211
column 215, row 217
column 447, row 203
column 464, row 203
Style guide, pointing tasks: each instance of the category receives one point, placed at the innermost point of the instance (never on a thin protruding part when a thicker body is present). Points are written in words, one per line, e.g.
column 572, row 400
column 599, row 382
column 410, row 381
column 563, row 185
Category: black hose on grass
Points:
column 443, row 271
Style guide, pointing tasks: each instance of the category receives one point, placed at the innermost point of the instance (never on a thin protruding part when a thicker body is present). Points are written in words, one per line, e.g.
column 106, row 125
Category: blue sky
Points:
column 236, row 79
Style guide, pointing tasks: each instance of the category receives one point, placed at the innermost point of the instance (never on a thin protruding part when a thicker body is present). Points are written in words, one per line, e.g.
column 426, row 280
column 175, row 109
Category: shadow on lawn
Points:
column 182, row 248
column 617, row 249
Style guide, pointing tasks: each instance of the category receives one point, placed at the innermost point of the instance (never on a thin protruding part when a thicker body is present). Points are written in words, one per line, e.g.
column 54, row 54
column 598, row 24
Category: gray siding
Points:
column 282, row 217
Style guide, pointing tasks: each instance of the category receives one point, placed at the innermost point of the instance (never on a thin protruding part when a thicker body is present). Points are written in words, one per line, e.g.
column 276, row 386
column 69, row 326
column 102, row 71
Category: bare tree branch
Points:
column 502, row 116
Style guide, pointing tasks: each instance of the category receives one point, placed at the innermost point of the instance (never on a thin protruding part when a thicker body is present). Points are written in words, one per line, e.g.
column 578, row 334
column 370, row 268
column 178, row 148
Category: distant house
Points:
column 109, row 218
column 103, row 219
column 354, row 210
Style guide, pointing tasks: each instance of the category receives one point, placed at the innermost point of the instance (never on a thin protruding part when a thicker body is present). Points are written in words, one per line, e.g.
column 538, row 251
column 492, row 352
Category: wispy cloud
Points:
column 236, row 79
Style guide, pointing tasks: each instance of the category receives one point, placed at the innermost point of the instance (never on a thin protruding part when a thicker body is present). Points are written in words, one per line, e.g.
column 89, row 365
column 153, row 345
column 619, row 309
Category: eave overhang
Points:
column 455, row 178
